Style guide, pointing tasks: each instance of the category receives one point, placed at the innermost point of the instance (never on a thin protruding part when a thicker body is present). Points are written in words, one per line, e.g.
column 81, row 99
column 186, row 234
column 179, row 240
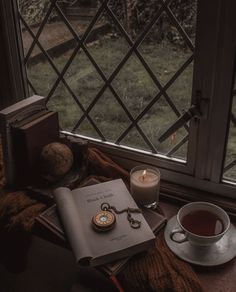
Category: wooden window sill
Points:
column 178, row 194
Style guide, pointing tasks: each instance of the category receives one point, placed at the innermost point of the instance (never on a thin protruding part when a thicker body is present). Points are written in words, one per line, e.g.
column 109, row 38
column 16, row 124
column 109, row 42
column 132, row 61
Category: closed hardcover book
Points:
column 16, row 112
column 28, row 138
column 77, row 208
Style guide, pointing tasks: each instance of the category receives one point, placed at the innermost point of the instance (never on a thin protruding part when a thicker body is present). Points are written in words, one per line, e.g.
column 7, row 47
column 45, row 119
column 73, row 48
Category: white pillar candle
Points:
column 145, row 185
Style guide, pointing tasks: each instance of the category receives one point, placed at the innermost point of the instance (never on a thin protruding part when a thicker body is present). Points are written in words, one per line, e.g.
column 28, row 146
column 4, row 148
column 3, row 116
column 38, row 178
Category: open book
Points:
column 77, row 208
column 49, row 225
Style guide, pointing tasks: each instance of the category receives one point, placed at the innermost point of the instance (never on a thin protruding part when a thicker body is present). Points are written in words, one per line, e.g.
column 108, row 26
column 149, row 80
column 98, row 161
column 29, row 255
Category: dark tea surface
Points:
column 203, row 223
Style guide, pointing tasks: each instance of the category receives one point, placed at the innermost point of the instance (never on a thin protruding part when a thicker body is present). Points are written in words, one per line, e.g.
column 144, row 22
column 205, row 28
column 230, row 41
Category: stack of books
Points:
column 26, row 127
column 69, row 223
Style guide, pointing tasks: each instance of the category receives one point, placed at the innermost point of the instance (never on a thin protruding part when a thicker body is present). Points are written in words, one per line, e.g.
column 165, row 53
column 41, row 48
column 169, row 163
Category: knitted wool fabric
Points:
column 100, row 164
column 159, row 270
column 17, row 210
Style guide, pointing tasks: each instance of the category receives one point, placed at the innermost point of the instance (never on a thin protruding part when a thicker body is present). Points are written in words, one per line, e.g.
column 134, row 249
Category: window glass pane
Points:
column 118, row 71
column 229, row 172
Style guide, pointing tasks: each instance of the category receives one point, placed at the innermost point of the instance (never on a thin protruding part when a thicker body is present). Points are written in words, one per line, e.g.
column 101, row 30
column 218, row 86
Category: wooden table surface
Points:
column 46, row 267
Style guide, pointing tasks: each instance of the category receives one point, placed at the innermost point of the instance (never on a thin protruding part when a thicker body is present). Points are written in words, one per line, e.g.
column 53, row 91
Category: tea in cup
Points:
column 201, row 223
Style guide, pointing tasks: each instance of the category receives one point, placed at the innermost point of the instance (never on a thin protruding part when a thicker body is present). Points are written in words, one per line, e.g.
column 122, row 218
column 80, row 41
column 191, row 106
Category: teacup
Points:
column 201, row 224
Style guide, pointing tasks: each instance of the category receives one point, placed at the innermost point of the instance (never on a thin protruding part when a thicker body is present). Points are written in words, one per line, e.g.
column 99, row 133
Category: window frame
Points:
column 11, row 54
column 213, row 132
column 216, row 33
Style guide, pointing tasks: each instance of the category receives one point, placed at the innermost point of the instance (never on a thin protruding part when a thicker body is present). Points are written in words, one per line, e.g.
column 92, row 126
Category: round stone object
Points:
column 56, row 160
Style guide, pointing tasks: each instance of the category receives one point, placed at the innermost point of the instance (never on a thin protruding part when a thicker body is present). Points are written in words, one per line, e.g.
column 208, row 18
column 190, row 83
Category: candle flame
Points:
column 144, row 174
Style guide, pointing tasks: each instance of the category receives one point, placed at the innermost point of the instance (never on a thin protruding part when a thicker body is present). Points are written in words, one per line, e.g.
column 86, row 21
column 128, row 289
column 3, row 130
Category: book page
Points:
column 53, row 224
column 122, row 240
column 72, row 224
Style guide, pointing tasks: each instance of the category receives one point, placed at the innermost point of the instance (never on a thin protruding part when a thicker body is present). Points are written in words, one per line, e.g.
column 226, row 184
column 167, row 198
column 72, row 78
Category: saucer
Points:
column 218, row 253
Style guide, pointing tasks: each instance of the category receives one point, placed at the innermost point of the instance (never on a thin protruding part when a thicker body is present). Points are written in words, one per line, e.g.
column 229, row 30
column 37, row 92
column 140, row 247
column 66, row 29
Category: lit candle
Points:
column 145, row 185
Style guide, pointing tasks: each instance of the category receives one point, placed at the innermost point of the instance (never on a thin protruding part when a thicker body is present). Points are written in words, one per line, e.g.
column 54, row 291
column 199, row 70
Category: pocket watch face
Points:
column 104, row 221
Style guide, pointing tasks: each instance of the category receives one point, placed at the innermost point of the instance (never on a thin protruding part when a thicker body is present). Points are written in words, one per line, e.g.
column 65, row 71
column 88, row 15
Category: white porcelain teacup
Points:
column 201, row 224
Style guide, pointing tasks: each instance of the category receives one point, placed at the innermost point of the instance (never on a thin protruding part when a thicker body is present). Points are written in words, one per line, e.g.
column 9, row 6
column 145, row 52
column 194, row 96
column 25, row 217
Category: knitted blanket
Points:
column 159, row 270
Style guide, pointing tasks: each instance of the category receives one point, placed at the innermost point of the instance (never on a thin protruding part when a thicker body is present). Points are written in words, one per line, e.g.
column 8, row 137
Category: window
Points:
column 123, row 80
column 229, row 169
column 111, row 84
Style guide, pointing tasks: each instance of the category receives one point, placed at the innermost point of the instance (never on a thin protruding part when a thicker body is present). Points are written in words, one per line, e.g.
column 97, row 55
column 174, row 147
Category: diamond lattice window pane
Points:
column 230, row 158
column 110, row 116
column 86, row 129
column 135, row 140
column 135, row 86
column 123, row 11
column 181, row 90
column 63, row 102
column 109, row 47
column 164, row 54
column 83, row 79
column 159, row 117
column 80, row 14
column 34, row 12
column 118, row 71
column 57, row 40
column 27, row 38
column 40, row 73
column 179, row 150
column 185, row 12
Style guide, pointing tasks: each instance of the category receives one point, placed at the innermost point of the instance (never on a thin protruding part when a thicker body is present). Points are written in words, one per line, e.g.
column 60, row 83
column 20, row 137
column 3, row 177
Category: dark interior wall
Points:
column 12, row 80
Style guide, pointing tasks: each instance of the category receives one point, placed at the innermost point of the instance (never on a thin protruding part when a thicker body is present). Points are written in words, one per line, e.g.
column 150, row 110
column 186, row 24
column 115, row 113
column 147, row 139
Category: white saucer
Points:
column 218, row 253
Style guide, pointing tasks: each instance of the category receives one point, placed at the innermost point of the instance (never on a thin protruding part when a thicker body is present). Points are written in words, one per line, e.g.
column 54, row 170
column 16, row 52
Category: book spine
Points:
column 7, row 148
column 19, row 148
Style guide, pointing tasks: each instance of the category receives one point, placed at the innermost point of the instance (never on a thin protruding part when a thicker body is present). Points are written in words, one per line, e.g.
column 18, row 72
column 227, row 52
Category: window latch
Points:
column 199, row 110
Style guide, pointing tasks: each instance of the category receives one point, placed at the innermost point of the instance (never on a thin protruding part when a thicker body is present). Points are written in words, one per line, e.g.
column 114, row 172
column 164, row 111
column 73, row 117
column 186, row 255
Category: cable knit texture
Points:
column 159, row 270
